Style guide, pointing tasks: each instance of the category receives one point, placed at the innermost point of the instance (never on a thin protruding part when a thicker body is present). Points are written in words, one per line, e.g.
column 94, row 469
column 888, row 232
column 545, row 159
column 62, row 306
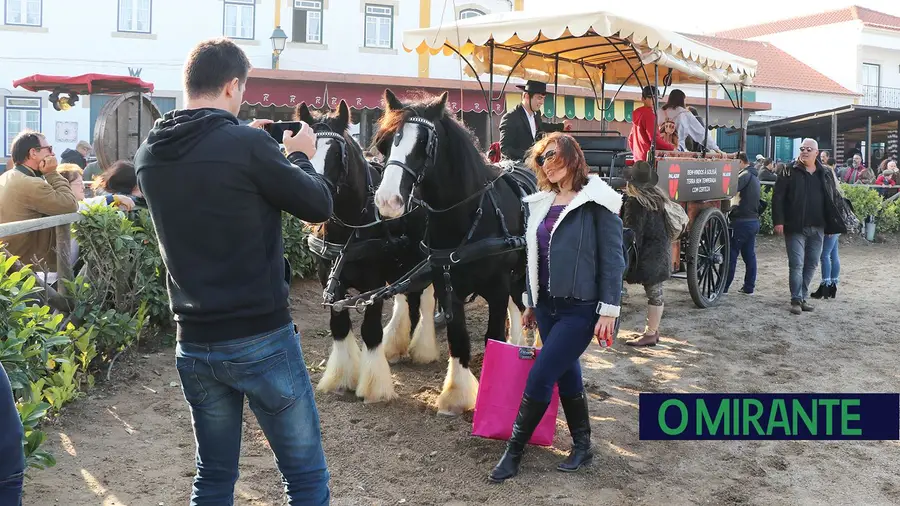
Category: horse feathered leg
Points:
column 396, row 333
column 342, row 369
column 460, row 386
column 375, row 381
column 424, row 349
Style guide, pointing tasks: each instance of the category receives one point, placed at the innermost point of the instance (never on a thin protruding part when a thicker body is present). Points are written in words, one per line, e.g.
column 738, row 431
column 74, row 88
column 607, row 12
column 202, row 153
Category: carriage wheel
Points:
column 708, row 254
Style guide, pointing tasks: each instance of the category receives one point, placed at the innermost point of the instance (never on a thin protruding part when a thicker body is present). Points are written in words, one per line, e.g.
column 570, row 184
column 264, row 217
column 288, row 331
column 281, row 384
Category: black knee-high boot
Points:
column 576, row 409
column 530, row 414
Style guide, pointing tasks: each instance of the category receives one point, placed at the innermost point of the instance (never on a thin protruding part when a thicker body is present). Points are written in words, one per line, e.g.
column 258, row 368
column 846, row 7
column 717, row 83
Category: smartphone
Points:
column 277, row 129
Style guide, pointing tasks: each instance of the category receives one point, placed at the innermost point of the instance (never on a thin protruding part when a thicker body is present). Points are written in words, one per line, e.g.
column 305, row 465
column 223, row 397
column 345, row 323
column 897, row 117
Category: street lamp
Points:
column 279, row 39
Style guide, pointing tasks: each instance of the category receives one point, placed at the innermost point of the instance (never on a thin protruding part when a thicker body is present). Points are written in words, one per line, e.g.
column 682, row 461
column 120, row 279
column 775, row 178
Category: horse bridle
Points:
column 430, row 157
column 430, row 161
column 323, row 131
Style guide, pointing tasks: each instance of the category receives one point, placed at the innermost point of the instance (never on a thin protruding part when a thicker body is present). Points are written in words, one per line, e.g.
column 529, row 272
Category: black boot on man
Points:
column 576, row 409
column 530, row 414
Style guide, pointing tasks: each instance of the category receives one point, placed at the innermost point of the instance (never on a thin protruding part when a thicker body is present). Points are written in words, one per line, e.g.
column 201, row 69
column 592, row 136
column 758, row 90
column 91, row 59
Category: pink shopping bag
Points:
column 503, row 376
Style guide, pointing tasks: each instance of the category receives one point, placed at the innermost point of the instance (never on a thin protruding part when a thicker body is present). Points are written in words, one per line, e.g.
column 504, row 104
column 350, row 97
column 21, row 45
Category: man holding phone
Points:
column 216, row 190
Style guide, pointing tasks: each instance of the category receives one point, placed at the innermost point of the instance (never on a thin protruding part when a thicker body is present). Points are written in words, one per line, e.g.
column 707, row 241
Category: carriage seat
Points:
column 604, row 154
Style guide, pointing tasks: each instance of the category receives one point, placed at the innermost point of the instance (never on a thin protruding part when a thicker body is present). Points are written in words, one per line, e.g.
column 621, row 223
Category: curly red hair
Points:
column 568, row 155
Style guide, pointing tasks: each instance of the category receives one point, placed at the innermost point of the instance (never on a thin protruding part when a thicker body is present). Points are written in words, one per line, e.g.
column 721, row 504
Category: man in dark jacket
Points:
column 804, row 210
column 745, row 224
column 216, row 190
column 520, row 127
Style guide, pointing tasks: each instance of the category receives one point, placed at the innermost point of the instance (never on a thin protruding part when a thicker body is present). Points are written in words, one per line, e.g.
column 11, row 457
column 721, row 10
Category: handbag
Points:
column 504, row 373
column 676, row 219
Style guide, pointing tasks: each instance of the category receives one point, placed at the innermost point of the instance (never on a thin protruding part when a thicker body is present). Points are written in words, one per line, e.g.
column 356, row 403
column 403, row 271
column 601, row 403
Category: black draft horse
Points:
column 376, row 256
column 433, row 161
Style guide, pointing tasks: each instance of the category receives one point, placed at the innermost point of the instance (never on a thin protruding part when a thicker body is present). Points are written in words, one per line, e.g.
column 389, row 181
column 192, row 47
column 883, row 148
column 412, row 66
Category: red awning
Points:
column 361, row 96
column 86, row 84
column 285, row 93
column 279, row 93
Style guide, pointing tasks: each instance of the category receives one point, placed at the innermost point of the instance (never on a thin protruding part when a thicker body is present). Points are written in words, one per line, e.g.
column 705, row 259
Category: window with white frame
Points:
column 470, row 13
column 240, row 19
column 22, row 113
column 379, row 26
column 134, row 15
column 307, row 27
column 23, row 12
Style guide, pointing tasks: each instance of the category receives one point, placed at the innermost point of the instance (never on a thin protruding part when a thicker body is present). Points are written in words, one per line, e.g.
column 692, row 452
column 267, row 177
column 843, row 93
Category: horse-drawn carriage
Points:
column 471, row 240
column 594, row 50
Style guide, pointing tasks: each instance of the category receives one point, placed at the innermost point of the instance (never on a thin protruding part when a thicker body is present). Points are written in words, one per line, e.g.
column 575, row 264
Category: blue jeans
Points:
column 743, row 243
column 12, row 454
column 831, row 261
column 269, row 370
column 803, row 250
column 567, row 328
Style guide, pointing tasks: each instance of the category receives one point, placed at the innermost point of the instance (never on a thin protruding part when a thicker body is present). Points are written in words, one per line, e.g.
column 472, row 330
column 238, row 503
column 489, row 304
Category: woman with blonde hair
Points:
column 669, row 132
column 574, row 287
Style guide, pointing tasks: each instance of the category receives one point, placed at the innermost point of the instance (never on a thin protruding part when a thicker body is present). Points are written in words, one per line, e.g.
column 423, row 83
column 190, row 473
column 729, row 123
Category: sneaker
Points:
column 744, row 291
column 796, row 308
column 805, row 306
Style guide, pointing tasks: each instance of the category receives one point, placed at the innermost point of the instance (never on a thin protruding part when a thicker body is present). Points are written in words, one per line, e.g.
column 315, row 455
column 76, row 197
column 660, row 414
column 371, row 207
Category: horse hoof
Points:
column 449, row 414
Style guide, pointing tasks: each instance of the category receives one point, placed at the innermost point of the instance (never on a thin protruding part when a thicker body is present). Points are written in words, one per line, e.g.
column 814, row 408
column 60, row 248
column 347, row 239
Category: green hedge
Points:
column 866, row 202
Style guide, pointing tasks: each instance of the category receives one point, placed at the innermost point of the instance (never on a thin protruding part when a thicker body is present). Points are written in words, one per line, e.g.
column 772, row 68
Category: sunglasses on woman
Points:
column 545, row 157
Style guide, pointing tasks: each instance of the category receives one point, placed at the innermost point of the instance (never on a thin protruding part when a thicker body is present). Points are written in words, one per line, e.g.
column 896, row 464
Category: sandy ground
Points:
column 126, row 444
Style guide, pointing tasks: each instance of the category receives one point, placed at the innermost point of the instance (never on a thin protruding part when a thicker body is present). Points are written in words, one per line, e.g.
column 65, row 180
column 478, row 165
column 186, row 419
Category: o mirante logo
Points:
column 770, row 416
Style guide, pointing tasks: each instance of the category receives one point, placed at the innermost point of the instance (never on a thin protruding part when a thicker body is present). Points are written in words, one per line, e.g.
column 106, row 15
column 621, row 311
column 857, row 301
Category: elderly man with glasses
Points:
column 804, row 210
column 33, row 189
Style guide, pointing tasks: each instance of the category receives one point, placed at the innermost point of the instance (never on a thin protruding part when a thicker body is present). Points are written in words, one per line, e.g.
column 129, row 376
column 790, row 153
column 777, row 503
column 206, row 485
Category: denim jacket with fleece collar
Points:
column 587, row 261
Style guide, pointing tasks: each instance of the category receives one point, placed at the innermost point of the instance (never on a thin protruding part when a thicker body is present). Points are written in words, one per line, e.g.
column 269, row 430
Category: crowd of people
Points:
column 236, row 337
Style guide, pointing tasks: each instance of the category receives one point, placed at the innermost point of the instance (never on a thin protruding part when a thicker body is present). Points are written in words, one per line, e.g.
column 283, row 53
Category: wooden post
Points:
column 63, row 256
column 869, row 142
column 834, row 136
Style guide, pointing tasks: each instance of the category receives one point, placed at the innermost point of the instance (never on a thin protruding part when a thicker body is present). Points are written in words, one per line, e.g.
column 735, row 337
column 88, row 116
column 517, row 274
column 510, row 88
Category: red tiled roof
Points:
column 854, row 13
column 776, row 69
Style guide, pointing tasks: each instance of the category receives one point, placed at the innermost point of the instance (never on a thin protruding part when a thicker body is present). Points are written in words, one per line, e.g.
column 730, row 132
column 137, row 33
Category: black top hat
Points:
column 533, row 87
column 642, row 175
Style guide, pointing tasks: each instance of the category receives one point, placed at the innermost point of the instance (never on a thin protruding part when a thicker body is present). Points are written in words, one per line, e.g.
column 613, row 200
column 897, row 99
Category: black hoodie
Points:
column 215, row 190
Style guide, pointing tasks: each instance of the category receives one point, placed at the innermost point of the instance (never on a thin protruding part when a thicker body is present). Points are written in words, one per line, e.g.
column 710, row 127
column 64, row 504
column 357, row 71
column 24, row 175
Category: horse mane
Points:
column 464, row 150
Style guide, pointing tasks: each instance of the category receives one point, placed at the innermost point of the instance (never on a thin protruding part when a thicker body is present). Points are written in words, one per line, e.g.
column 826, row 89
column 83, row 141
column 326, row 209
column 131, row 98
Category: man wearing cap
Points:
column 644, row 127
column 520, row 127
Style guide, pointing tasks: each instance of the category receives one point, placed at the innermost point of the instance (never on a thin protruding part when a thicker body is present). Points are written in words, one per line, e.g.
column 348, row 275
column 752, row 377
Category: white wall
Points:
column 786, row 103
column 831, row 49
column 888, row 59
column 177, row 25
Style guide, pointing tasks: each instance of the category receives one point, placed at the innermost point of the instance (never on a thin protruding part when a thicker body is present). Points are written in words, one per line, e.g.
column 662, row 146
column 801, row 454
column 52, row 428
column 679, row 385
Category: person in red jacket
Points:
column 644, row 127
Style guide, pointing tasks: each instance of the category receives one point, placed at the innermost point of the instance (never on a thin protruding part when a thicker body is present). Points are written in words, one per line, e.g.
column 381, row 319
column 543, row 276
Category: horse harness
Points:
column 466, row 251
column 355, row 248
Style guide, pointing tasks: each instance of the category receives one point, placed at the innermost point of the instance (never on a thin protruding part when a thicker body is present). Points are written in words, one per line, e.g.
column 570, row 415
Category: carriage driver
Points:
column 520, row 127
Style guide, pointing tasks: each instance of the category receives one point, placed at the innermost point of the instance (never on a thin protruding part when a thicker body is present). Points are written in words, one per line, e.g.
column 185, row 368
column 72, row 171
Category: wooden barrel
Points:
column 119, row 132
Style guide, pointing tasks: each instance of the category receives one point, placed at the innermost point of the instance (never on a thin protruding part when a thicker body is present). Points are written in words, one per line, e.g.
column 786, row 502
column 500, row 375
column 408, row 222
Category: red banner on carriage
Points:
column 688, row 180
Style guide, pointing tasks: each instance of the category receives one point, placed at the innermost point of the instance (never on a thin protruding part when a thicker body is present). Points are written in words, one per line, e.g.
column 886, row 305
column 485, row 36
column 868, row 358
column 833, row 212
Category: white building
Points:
column 336, row 49
column 151, row 38
column 856, row 47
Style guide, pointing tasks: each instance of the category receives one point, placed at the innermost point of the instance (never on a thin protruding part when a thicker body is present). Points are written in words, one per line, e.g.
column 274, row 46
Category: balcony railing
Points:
column 879, row 96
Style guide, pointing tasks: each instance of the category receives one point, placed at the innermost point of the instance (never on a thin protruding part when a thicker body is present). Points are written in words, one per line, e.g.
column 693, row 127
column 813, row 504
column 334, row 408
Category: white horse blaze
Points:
column 460, row 390
column 318, row 159
column 396, row 334
column 342, row 370
column 393, row 175
column 423, row 349
column 516, row 332
column 375, row 382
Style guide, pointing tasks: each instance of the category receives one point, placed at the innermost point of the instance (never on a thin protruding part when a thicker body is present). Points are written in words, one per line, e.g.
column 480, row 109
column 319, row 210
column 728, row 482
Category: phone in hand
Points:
column 277, row 129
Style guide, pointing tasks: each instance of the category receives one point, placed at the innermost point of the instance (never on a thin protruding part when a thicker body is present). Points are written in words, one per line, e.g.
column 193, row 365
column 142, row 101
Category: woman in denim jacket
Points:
column 574, row 283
